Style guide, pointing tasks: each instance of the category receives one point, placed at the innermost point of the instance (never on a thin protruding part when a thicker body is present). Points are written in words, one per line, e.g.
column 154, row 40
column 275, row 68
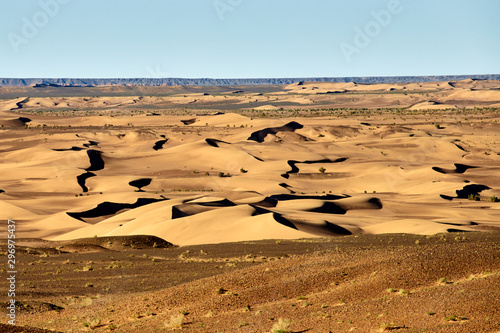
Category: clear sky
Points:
column 248, row 38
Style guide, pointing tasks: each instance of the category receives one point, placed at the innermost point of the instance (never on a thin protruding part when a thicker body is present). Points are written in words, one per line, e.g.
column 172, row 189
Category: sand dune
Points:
column 459, row 168
column 260, row 135
column 303, row 95
column 432, row 105
column 201, row 175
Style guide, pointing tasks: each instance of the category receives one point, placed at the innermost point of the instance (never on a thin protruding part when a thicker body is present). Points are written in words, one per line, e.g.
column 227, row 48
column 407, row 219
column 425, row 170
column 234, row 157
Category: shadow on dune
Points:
column 466, row 191
column 340, row 206
column 70, row 149
column 336, row 229
column 257, row 158
column 326, row 229
column 360, row 203
column 24, row 120
column 81, row 179
column 280, row 219
column 459, row 168
column 140, row 183
column 457, row 224
column 91, row 143
column 159, row 144
column 471, row 189
column 286, row 186
column 276, row 216
column 189, row 209
column 215, row 142
column 96, row 161
column 19, row 122
column 267, row 202
column 295, row 169
column 283, row 197
column 20, row 105
column 110, row 208
column 328, row 208
column 259, row 136
column 189, row 121
column 459, row 147
column 218, row 203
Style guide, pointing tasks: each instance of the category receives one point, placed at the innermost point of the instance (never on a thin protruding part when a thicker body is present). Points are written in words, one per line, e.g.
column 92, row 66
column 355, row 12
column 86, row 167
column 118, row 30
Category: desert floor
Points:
column 243, row 205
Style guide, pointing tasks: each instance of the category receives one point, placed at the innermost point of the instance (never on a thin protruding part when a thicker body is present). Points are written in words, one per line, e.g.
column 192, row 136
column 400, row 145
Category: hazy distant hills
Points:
column 17, row 82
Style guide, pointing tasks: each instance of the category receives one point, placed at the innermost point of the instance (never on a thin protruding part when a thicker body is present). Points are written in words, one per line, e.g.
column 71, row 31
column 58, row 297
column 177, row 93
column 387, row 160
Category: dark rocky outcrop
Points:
column 89, row 82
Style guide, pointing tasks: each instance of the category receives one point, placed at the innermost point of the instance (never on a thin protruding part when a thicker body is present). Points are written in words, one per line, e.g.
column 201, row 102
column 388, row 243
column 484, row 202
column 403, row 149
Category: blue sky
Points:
column 248, row 38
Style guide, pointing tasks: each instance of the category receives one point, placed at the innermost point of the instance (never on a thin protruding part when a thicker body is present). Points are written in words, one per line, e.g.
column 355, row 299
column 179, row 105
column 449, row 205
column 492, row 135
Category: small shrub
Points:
column 92, row 323
column 322, row 170
column 474, row 197
column 175, row 321
column 243, row 170
column 282, row 326
column 455, row 318
column 221, row 291
column 390, row 327
column 494, row 199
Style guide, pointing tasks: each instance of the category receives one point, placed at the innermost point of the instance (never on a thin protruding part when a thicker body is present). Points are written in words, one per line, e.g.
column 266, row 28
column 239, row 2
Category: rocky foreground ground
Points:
column 367, row 283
